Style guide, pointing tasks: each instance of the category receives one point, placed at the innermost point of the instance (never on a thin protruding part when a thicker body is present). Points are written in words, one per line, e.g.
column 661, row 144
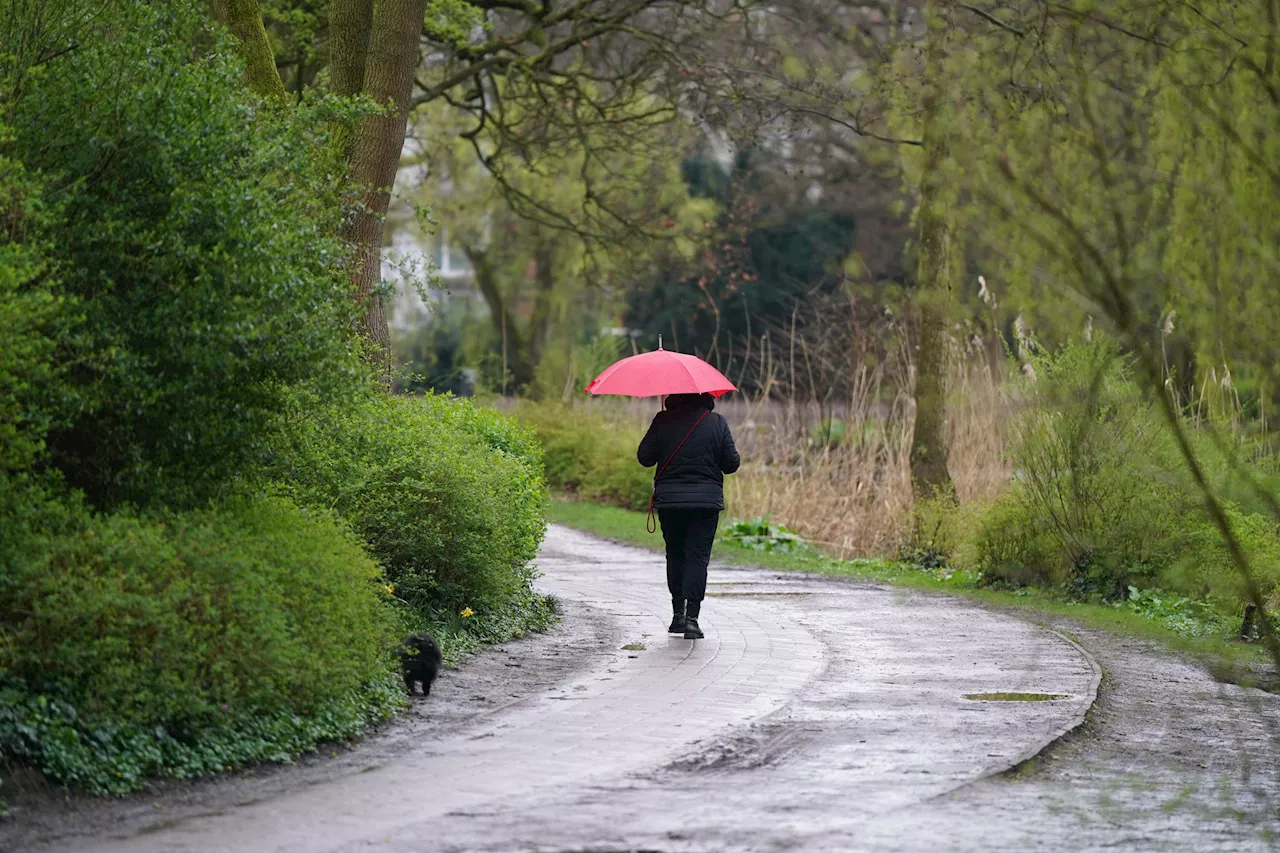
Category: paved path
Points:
column 809, row 707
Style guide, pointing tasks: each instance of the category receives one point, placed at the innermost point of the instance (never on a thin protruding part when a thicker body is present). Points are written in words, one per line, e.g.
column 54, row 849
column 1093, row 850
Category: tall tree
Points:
column 523, row 70
column 929, row 473
column 375, row 48
column 875, row 71
column 1121, row 159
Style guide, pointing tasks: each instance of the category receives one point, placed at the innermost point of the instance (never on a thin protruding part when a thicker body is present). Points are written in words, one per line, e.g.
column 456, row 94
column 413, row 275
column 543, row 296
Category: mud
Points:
column 817, row 715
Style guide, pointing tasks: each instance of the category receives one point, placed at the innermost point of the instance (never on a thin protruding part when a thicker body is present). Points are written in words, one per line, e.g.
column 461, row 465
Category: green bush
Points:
column 134, row 645
column 1012, row 545
column 172, row 288
column 1206, row 570
column 590, row 455
column 35, row 321
column 448, row 498
column 194, row 234
column 1090, row 504
column 1099, row 504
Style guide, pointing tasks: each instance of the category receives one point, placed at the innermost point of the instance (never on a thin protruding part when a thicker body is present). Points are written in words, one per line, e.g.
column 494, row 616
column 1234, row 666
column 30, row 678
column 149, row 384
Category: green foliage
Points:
column 1013, row 546
column 136, row 644
column 172, row 290
column 117, row 758
column 829, row 432
column 935, row 532
column 1098, row 506
column 194, row 233
column 1205, row 569
column 1182, row 615
column 589, row 454
column 1091, row 503
column 448, row 497
column 35, row 322
column 761, row 534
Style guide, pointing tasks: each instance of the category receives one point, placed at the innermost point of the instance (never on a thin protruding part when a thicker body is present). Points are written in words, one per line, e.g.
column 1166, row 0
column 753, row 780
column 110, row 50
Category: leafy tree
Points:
column 552, row 232
column 182, row 242
column 774, row 249
column 1124, row 169
column 521, row 70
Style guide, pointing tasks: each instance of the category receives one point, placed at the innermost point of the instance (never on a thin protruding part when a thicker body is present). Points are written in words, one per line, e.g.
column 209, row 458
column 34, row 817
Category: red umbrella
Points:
column 656, row 374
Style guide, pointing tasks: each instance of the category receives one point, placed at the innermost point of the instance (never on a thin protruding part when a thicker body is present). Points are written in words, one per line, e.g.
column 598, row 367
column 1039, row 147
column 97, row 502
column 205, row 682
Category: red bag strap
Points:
column 651, row 522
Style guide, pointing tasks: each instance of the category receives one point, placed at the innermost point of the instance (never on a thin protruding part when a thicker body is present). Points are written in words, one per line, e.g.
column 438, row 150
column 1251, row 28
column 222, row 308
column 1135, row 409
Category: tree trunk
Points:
column 540, row 321
column 244, row 19
column 350, row 22
column 929, row 473
column 516, row 366
column 374, row 156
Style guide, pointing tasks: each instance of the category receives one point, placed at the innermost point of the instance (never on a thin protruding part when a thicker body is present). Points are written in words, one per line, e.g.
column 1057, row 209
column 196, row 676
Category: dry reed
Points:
column 852, row 498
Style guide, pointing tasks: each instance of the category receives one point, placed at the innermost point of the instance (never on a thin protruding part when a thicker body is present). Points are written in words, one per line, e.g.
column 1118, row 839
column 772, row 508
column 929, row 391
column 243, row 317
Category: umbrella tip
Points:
column 659, row 341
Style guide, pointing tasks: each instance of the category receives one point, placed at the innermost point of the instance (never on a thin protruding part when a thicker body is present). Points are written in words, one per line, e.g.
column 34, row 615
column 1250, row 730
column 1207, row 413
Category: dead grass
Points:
column 855, row 499
column 852, row 498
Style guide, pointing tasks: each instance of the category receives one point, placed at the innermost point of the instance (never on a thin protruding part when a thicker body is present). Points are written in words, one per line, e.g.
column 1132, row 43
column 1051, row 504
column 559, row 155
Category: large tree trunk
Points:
column 350, row 23
column 374, row 155
column 929, row 473
column 244, row 19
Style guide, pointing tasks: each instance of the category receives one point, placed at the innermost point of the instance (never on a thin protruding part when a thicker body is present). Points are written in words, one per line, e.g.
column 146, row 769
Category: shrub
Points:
column 194, row 233
column 134, row 644
column 1205, row 568
column 1090, row 504
column 934, row 537
column 1011, row 545
column 1097, row 503
column 589, row 455
column 35, row 321
column 450, row 499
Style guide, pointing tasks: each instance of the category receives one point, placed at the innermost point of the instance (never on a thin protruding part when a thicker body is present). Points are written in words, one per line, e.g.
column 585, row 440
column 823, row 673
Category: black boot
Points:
column 677, row 616
column 691, row 629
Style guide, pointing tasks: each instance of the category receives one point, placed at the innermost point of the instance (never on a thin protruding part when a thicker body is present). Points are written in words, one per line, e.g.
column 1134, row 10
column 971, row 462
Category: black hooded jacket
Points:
column 694, row 479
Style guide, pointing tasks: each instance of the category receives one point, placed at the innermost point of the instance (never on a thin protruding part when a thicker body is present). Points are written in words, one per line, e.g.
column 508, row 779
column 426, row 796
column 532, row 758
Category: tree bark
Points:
column 374, row 155
column 244, row 19
column 514, row 348
column 350, row 23
column 540, row 321
column 929, row 475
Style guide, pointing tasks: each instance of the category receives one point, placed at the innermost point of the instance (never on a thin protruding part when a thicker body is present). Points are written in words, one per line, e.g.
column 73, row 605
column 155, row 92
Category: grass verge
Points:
column 1227, row 659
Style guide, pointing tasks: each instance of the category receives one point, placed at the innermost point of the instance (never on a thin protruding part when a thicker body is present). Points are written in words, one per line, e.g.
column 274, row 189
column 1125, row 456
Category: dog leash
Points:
column 651, row 522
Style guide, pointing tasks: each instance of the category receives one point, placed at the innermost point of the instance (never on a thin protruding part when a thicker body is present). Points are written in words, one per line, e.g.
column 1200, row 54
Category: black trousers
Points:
column 689, row 534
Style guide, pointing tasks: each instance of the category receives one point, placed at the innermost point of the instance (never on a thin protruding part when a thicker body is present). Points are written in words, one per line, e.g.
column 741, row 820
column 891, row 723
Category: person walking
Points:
column 696, row 450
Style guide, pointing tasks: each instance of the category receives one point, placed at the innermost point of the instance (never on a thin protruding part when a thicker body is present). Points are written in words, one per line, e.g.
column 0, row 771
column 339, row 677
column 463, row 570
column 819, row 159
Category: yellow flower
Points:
column 467, row 613
column 391, row 590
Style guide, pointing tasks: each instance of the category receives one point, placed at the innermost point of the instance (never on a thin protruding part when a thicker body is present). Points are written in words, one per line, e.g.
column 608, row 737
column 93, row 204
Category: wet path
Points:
column 810, row 707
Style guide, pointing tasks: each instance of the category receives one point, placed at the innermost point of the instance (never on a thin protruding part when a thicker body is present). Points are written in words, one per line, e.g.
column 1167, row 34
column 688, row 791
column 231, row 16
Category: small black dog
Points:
column 420, row 660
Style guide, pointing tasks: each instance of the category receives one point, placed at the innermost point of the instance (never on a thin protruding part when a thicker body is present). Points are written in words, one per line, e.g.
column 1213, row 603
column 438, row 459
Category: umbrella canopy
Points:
column 658, row 373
